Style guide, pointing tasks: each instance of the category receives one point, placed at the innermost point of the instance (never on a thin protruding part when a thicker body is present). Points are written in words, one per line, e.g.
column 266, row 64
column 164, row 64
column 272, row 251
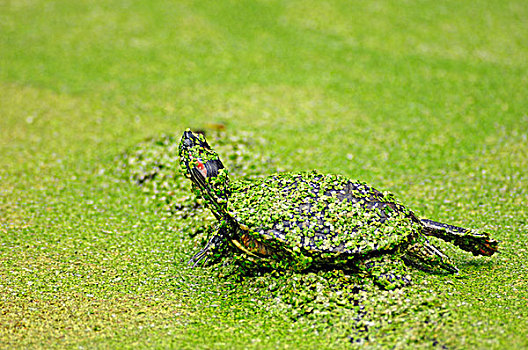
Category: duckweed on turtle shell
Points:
column 326, row 214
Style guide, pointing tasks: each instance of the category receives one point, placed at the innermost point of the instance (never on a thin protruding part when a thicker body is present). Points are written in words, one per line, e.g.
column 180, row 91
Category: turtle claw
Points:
column 211, row 248
column 197, row 258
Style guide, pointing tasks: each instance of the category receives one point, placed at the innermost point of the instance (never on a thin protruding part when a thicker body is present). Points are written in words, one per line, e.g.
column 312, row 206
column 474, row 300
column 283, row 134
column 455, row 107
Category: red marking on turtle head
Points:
column 201, row 168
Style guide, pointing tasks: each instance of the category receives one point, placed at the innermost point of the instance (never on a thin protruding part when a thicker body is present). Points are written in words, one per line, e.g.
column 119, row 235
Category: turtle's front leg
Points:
column 212, row 248
column 387, row 271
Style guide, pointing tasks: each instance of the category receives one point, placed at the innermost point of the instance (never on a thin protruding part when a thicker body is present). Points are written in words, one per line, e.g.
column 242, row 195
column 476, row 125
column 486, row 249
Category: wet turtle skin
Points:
column 312, row 220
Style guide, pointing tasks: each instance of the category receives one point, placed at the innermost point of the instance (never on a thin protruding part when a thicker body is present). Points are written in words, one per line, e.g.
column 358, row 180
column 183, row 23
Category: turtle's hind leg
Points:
column 478, row 243
column 425, row 256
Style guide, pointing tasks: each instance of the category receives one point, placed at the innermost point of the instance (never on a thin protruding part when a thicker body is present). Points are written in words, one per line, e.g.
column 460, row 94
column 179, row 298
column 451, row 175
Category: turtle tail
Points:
column 478, row 243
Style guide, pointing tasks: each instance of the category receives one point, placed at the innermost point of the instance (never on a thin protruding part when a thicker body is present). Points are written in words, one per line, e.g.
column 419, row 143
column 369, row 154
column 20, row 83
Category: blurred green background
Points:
column 423, row 98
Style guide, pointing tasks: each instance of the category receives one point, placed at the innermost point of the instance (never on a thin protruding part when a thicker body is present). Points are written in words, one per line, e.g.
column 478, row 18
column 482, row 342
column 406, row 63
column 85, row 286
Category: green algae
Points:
column 424, row 98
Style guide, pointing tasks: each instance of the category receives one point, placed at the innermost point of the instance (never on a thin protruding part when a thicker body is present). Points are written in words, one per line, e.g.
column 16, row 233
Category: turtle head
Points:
column 202, row 165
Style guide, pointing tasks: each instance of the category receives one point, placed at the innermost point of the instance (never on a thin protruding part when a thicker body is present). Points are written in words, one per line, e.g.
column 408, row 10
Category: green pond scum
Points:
column 98, row 222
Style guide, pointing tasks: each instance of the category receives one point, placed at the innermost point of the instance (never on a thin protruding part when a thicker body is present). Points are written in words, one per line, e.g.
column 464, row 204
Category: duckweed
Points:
column 425, row 98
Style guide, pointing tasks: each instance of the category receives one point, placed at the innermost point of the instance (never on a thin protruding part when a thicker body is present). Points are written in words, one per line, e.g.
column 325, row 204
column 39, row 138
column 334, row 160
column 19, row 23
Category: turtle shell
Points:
column 325, row 215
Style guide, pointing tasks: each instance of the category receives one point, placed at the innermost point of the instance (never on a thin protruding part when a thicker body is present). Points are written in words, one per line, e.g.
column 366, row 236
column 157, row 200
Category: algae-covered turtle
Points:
column 311, row 221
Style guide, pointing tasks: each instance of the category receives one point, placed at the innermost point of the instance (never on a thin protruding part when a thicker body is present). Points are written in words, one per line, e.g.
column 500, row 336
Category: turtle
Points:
column 308, row 220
